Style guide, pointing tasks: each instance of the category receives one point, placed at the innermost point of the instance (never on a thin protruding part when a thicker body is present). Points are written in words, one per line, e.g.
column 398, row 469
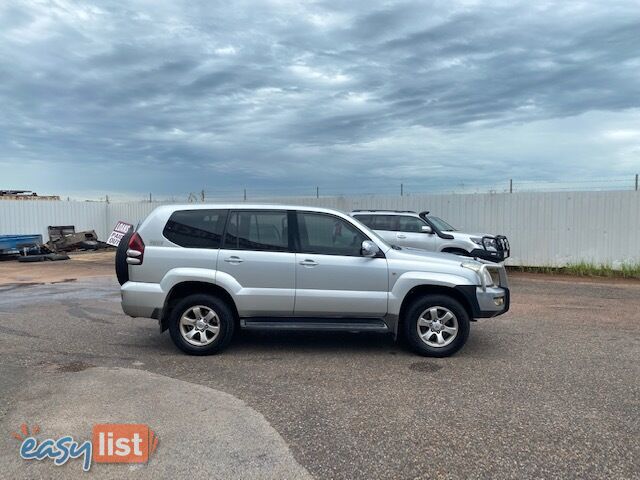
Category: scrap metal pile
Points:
column 62, row 239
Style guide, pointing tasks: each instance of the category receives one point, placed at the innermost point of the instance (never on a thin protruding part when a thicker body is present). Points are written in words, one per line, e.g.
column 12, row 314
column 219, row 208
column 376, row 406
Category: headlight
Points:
column 490, row 243
column 488, row 280
column 477, row 267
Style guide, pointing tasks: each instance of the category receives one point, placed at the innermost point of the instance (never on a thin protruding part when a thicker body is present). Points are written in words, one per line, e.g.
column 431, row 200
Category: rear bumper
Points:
column 140, row 299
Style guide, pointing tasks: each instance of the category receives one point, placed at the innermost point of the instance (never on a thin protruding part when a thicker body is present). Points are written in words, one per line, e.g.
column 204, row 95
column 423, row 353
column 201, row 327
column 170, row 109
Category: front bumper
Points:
column 498, row 252
column 490, row 255
column 488, row 301
column 491, row 302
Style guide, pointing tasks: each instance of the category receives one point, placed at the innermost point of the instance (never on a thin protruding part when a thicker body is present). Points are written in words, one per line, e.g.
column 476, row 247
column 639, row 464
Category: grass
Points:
column 587, row 269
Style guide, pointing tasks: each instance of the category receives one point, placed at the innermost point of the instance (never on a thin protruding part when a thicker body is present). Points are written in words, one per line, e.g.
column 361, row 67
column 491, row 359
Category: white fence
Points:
column 545, row 229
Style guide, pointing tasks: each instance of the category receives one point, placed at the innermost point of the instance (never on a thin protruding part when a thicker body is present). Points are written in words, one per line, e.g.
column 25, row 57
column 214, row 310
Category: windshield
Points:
column 441, row 224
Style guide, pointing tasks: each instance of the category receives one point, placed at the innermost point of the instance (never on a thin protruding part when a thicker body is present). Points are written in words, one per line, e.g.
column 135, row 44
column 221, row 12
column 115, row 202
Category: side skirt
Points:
column 315, row 324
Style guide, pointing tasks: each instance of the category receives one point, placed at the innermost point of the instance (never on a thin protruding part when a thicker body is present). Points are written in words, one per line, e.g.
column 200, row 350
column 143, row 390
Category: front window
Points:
column 441, row 224
column 410, row 224
column 325, row 234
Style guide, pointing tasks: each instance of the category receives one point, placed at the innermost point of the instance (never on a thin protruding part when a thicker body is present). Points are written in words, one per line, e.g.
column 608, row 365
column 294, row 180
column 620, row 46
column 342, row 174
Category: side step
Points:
column 315, row 324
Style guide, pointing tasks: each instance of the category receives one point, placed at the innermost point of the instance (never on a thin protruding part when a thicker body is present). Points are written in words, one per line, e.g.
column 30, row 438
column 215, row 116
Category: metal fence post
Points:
column 511, row 185
column 636, row 182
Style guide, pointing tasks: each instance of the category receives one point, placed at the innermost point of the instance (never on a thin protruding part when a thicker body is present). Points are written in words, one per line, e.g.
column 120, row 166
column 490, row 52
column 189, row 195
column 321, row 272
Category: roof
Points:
column 246, row 206
column 396, row 212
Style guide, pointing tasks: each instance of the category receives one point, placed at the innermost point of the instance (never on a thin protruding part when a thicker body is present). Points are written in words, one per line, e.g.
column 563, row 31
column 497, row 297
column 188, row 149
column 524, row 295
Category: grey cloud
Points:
column 264, row 94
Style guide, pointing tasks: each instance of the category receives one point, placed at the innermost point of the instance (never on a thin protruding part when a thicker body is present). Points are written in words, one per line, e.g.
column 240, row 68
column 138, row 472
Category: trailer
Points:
column 19, row 244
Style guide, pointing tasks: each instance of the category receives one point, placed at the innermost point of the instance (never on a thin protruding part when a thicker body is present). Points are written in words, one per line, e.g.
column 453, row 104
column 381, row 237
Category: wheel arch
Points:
column 455, row 250
column 182, row 289
column 422, row 290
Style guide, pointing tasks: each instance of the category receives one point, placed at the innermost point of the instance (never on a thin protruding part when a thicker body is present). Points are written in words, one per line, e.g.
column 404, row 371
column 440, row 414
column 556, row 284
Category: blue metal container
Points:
column 12, row 244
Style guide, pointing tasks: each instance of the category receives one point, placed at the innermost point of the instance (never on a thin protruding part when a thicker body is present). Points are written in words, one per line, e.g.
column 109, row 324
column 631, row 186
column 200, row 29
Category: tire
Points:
column 89, row 245
column 179, row 329
column 31, row 258
column 422, row 311
column 56, row 256
column 122, row 267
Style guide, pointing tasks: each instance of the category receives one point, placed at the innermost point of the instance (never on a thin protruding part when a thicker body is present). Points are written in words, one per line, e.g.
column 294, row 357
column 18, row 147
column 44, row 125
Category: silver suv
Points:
column 205, row 271
column 422, row 230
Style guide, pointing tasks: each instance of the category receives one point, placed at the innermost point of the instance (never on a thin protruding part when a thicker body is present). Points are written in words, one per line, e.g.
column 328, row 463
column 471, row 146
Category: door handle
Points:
column 308, row 263
column 400, row 235
column 233, row 259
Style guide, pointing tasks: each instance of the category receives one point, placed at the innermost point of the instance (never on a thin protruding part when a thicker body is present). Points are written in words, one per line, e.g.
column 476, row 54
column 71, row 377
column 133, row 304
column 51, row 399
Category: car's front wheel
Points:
column 436, row 325
column 201, row 324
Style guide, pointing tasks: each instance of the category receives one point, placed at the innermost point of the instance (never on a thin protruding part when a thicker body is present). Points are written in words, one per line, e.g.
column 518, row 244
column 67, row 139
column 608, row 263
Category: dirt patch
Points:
column 80, row 265
column 425, row 367
column 74, row 367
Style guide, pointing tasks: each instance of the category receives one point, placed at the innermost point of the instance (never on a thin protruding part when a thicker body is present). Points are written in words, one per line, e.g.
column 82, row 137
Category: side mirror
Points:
column 369, row 249
column 426, row 229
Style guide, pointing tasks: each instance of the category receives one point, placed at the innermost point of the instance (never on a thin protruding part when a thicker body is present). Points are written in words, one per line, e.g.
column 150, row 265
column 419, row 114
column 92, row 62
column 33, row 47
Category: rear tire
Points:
column 31, row 258
column 122, row 267
column 436, row 326
column 201, row 324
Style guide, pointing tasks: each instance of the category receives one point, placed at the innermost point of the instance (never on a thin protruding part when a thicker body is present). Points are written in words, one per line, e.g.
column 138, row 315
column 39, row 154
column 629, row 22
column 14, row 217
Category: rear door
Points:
column 333, row 279
column 384, row 225
column 257, row 263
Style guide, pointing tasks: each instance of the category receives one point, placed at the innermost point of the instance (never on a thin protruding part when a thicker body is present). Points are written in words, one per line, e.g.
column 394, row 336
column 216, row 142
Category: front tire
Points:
column 201, row 324
column 436, row 326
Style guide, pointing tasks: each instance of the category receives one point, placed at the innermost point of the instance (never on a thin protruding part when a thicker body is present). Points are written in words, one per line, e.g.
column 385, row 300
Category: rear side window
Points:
column 368, row 220
column 196, row 228
column 328, row 235
column 385, row 222
column 257, row 230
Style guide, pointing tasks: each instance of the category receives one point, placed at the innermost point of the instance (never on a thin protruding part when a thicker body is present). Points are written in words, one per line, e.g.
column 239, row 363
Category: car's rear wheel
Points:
column 201, row 324
column 436, row 325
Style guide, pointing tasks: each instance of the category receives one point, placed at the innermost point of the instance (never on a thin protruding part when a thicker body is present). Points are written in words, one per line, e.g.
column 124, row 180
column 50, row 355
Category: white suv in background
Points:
column 427, row 232
column 204, row 271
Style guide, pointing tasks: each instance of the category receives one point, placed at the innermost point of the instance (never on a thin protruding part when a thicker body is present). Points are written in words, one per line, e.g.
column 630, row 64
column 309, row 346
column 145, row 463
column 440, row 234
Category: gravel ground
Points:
column 550, row 390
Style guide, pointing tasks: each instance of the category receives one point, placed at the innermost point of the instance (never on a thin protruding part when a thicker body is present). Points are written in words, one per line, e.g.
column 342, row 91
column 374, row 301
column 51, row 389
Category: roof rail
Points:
column 382, row 210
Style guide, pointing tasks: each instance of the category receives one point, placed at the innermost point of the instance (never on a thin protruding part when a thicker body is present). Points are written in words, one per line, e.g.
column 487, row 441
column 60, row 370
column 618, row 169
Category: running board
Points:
column 315, row 324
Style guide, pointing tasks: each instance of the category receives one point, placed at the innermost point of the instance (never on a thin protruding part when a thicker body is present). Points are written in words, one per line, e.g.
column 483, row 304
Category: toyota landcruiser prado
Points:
column 205, row 271
column 427, row 232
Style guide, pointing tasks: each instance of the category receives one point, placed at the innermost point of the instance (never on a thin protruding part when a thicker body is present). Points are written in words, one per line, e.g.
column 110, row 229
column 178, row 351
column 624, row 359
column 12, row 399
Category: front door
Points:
column 332, row 275
column 409, row 234
column 256, row 263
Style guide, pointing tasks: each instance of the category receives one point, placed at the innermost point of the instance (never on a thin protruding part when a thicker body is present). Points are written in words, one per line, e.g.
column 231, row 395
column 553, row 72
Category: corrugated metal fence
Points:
column 545, row 229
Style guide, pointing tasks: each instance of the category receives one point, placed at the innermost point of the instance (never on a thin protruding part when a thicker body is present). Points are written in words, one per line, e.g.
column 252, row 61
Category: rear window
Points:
column 379, row 222
column 196, row 228
column 366, row 219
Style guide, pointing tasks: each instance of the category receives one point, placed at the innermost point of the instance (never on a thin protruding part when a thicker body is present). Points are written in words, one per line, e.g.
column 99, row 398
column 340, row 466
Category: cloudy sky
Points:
column 172, row 97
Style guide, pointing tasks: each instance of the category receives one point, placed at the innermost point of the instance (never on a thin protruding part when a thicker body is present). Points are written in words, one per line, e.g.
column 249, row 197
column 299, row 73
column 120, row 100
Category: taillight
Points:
column 135, row 252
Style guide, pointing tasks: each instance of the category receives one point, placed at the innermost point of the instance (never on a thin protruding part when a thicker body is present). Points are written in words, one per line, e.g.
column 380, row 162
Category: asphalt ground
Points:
column 549, row 390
